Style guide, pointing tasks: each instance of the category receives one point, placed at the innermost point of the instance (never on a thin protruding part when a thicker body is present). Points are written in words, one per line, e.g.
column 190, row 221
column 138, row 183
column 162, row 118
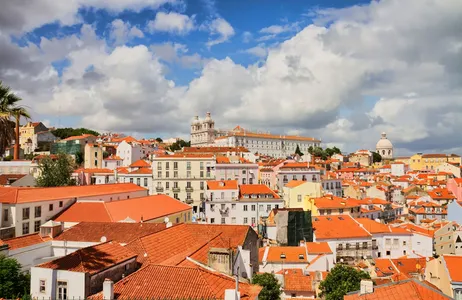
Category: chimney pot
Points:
column 108, row 289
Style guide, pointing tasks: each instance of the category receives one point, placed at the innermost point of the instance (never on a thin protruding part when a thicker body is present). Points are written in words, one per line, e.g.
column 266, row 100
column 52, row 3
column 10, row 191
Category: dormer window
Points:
column 301, row 256
column 283, row 256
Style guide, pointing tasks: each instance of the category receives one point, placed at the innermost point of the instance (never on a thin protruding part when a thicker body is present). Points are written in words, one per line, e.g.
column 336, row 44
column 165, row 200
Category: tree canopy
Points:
column 56, row 172
column 271, row 287
column 178, row 145
column 297, row 151
column 376, row 157
column 64, row 133
column 341, row 280
column 159, row 140
column 323, row 153
column 13, row 282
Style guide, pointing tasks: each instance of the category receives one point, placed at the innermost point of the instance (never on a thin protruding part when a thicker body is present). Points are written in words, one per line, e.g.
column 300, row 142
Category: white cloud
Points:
column 177, row 53
column 273, row 31
column 121, row 32
column 221, row 28
column 246, row 37
column 24, row 16
column 260, row 50
column 172, row 22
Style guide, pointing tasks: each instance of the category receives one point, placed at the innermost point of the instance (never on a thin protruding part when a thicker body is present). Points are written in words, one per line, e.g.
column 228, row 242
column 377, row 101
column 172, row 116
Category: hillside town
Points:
column 141, row 219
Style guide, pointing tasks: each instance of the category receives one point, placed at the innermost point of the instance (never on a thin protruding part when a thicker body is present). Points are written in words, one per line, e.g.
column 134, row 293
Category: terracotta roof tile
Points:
column 222, row 185
column 5, row 178
column 257, row 189
column 287, row 254
column 453, row 264
column 173, row 282
column 92, row 259
column 318, row 247
column 136, row 209
column 120, row 232
column 294, row 183
column 140, row 164
column 336, row 202
column 337, row 227
column 145, row 171
column 296, row 281
column 24, row 241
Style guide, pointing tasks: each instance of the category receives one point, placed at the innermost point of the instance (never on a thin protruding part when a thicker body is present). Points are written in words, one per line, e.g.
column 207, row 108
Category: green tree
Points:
column 9, row 109
column 329, row 151
column 336, row 150
column 271, row 287
column 79, row 158
column 178, row 145
column 64, row 133
column 297, row 151
column 341, row 280
column 13, row 282
column 56, row 172
column 376, row 157
column 310, row 150
column 105, row 154
column 159, row 140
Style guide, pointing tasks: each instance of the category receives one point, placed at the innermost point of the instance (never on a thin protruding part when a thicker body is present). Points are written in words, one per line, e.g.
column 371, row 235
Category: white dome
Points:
column 196, row 121
column 384, row 143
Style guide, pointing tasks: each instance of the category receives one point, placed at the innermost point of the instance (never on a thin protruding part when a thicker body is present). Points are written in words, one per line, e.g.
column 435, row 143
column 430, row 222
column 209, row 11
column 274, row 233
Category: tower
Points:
column 202, row 131
column 384, row 147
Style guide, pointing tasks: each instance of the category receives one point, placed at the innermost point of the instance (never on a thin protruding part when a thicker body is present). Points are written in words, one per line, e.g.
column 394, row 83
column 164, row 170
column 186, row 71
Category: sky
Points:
column 339, row 70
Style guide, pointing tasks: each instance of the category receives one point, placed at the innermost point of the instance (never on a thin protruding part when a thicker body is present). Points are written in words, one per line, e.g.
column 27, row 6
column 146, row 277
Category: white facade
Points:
column 130, row 152
column 399, row 169
column 332, row 186
column 112, row 164
column 52, row 280
column 391, row 245
column 143, row 180
column 202, row 131
column 384, row 147
column 244, row 173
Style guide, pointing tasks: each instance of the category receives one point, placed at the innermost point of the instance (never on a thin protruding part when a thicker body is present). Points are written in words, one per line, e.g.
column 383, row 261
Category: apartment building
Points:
column 332, row 205
column 236, row 168
column 444, row 272
column 130, row 152
column 24, row 210
column 297, row 193
column 228, row 203
column 448, row 239
column 296, row 171
column 93, row 156
column 183, row 176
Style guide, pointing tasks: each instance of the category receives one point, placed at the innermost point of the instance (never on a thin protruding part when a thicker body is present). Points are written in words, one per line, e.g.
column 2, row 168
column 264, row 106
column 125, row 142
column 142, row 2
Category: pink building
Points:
column 455, row 186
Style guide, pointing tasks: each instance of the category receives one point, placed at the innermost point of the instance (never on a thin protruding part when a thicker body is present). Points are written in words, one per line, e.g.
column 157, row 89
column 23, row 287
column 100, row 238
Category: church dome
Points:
column 196, row 121
column 384, row 142
column 208, row 118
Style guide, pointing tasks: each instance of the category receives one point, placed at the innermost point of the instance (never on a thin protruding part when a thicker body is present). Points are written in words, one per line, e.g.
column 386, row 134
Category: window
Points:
column 5, row 215
column 167, row 165
column 175, row 174
column 188, row 165
column 42, row 286
column 159, row 165
column 188, row 184
column 268, row 207
column 233, row 220
column 175, row 165
column 212, row 220
column 175, row 184
column 223, row 220
column 243, row 171
column 167, row 174
column 50, row 207
column 131, row 180
column 245, row 207
column 201, row 166
column 38, row 211
column 159, row 174
column 340, row 211
column 233, row 195
column 299, row 198
column 243, row 180
column 188, row 174
column 175, row 195
column 25, row 228
column 364, row 245
column 252, row 207
column 250, row 180
column 37, row 226
column 25, row 213
column 145, row 182
column 62, row 290
column 253, row 221
column 246, row 220
column 61, row 203
column 167, row 185
column 388, row 253
column 201, row 174
column 276, row 206
column 188, row 196
column 138, row 181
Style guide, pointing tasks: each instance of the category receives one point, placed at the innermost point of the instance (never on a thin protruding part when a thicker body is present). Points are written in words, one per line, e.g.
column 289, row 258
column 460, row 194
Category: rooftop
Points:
column 23, row 241
column 92, row 259
column 135, row 209
column 337, row 227
column 222, row 185
column 257, row 189
column 453, row 263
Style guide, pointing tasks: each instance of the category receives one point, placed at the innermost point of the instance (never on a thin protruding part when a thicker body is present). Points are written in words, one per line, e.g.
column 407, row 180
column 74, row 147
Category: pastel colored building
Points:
column 296, row 193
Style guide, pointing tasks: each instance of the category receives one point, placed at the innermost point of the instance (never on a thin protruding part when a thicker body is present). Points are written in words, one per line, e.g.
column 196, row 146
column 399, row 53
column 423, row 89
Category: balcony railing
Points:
column 189, row 201
column 224, row 211
column 189, row 189
column 176, row 189
column 159, row 189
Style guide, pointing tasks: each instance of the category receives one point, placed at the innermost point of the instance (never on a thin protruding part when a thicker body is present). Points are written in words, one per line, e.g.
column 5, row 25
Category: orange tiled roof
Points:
column 290, row 254
column 94, row 170
column 113, row 157
column 186, row 155
column 137, row 209
column 410, row 289
column 318, row 247
column 222, row 160
column 84, row 260
column 296, row 281
column 294, row 165
column 222, row 185
column 337, row 227
column 141, row 163
column 441, row 194
column 294, row 183
column 336, row 202
column 417, row 229
column 172, row 282
column 4, row 178
column 26, row 195
column 453, row 263
column 257, row 189
column 214, row 149
column 113, row 231
column 146, row 171
column 24, row 241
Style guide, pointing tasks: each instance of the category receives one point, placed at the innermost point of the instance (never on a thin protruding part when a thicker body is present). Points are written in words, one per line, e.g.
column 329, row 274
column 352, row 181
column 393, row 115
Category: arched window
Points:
column 383, row 152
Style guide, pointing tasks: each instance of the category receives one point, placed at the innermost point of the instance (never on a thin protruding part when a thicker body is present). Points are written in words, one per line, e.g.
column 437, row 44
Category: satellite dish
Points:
column 166, row 220
column 103, row 239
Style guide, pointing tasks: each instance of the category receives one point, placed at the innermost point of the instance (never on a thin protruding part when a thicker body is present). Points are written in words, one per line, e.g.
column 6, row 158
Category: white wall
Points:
column 75, row 283
column 243, row 262
column 62, row 248
column 396, row 250
column 422, row 245
column 31, row 255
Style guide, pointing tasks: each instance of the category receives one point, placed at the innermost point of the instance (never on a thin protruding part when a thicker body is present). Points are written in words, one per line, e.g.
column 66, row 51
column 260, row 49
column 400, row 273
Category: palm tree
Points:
column 9, row 108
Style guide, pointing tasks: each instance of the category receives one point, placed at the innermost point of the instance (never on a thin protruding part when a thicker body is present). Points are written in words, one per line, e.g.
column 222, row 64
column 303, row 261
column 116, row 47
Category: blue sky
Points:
column 340, row 70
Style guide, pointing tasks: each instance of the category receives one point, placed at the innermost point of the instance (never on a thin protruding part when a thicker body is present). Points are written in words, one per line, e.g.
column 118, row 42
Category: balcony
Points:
column 189, row 201
column 176, row 189
column 224, row 211
column 189, row 189
column 159, row 189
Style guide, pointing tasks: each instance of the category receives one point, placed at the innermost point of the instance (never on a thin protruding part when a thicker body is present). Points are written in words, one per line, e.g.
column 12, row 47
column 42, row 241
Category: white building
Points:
column 23, row 211
column 202, row 131
column 236, row 168
column 130, row 152
column 228, row 203
column 384, row 147
column 183, row 176
column 112, row 162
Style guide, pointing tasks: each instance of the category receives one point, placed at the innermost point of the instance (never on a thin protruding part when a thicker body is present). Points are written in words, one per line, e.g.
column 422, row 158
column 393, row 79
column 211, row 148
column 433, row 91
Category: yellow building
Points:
column 429, row 162
column 332, row 205
column 297, row 193
column 27, row 132
column 444, row 273
column 93, row 156
column 404, row 159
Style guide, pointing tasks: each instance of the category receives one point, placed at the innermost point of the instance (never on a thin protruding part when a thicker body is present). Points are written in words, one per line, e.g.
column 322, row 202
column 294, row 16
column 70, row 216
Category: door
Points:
column 62, row 290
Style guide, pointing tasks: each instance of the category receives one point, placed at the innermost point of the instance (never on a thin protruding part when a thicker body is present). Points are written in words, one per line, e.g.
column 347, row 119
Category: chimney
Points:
column 367, row 287
column 108, row 289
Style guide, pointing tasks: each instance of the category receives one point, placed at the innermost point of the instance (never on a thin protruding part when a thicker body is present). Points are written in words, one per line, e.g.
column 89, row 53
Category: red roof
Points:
column 410, row 289
column 335, row 202
column 453, row 264
column 337, row 227
column 257, row 189
column 26, row 195
column 296, row 281
column 286, row 254
column 295, row 165
column 84, row 260
column 318, row 247
column 140, row 164
column 145, row 171
column 120, row 232
column 5, row 178
column 294, row 183
column 24, row 241
column 222, row 185
column 172, row 282
column 136, row 209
